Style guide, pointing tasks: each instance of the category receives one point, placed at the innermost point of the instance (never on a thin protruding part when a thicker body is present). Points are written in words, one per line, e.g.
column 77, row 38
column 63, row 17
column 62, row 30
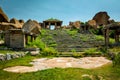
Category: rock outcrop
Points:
column 101, row 18
column 21, row 21
column 75, row 24
column 3, row 16
column 92, row 23
column 16, row 22
column 4, row 26
column 31, row 27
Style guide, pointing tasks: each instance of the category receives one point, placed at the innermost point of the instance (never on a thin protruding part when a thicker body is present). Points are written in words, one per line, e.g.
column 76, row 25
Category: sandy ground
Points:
column 60, row 62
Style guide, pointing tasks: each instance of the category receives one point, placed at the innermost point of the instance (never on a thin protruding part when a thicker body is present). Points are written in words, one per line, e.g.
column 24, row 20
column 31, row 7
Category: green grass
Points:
column 15, row 62
column 114, row 49
column 7, row 51
column 99, row 38
column 72, row 32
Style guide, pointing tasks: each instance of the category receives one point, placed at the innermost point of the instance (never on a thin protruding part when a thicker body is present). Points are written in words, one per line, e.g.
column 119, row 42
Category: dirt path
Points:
column 61, row 62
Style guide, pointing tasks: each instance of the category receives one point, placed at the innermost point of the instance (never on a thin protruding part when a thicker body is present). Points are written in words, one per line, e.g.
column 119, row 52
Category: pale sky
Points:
column 65, row 10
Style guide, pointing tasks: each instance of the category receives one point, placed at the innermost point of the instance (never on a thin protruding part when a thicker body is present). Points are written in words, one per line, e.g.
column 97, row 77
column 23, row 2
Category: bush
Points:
column 76, row 55
column 92, row 52
column 49, row 51
column 72, row 32
column 37, row 44
column 99, row 38
column 116, row 60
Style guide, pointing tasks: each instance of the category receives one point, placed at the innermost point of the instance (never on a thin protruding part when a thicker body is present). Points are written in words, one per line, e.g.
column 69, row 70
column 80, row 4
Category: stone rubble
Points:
column 9, row 56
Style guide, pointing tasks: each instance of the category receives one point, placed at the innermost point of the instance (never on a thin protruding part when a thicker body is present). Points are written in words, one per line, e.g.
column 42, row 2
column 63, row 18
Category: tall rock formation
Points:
column 3, row 16
column 101, row 18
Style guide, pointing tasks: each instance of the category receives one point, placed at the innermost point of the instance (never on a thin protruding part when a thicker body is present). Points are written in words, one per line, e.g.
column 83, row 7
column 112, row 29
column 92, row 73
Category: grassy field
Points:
column 107, row 72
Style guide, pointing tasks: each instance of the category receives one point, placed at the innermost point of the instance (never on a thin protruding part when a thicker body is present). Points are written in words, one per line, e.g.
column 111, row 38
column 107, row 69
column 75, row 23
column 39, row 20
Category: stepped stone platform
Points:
column 66, row 43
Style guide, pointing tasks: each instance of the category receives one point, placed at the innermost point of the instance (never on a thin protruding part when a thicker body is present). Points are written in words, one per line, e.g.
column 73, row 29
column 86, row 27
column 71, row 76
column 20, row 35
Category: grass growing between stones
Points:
column 7, row 51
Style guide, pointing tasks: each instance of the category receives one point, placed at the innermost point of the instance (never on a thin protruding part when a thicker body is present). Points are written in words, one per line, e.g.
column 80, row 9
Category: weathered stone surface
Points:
column 17, row 39
column 21, row 22
column 34, row 53
column 14, row 56
column 2, row 57
column 75, row 24
column 31, row 27
column 8, row 56
column 6, row 26
column 92, row 23
column 60, row 62
column 16, row 22
column 3, row 16
column 101, row 18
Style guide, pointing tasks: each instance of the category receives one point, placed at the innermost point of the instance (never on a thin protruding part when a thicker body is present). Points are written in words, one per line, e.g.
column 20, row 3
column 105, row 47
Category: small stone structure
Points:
column 17, row 38
column 31, row 28
column 84, row 28
column 108, row 28
column 47, row 23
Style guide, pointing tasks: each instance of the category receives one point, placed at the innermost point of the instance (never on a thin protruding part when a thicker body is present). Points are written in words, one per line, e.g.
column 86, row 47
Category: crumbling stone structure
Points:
column 84, row 28
column 108, row 28
column 31, row 28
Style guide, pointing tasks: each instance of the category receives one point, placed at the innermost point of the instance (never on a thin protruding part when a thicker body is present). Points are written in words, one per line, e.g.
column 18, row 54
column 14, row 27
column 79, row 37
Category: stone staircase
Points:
column 67, row 43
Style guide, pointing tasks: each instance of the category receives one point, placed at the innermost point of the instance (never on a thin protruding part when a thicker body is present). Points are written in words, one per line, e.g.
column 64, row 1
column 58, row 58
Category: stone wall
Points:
column 17, row 40
column 7, row 39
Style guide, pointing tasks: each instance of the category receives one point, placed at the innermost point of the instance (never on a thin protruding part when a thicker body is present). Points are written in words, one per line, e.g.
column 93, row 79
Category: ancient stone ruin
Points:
column 16, row 32
column 31, row 28
column 112, row 27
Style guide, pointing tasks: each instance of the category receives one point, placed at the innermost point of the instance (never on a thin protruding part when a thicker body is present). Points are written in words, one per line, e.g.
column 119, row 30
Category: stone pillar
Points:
column 35, row 37
column 44, row 25
column 49, row 25
column 116, row 36
column 32, row 38
column 55, row 25
column 26, row 39
column 106, row 37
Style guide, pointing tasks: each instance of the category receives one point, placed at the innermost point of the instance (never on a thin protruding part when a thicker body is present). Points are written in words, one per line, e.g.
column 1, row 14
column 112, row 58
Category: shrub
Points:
column 72, row 32
column 92, row 52
column 116, row 60
column 37, row 43
column 49, row 51
column 77, row 55
column 99, row 38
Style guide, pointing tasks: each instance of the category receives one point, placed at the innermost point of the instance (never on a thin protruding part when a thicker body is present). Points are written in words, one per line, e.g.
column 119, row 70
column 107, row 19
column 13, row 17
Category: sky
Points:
column 65, row 10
